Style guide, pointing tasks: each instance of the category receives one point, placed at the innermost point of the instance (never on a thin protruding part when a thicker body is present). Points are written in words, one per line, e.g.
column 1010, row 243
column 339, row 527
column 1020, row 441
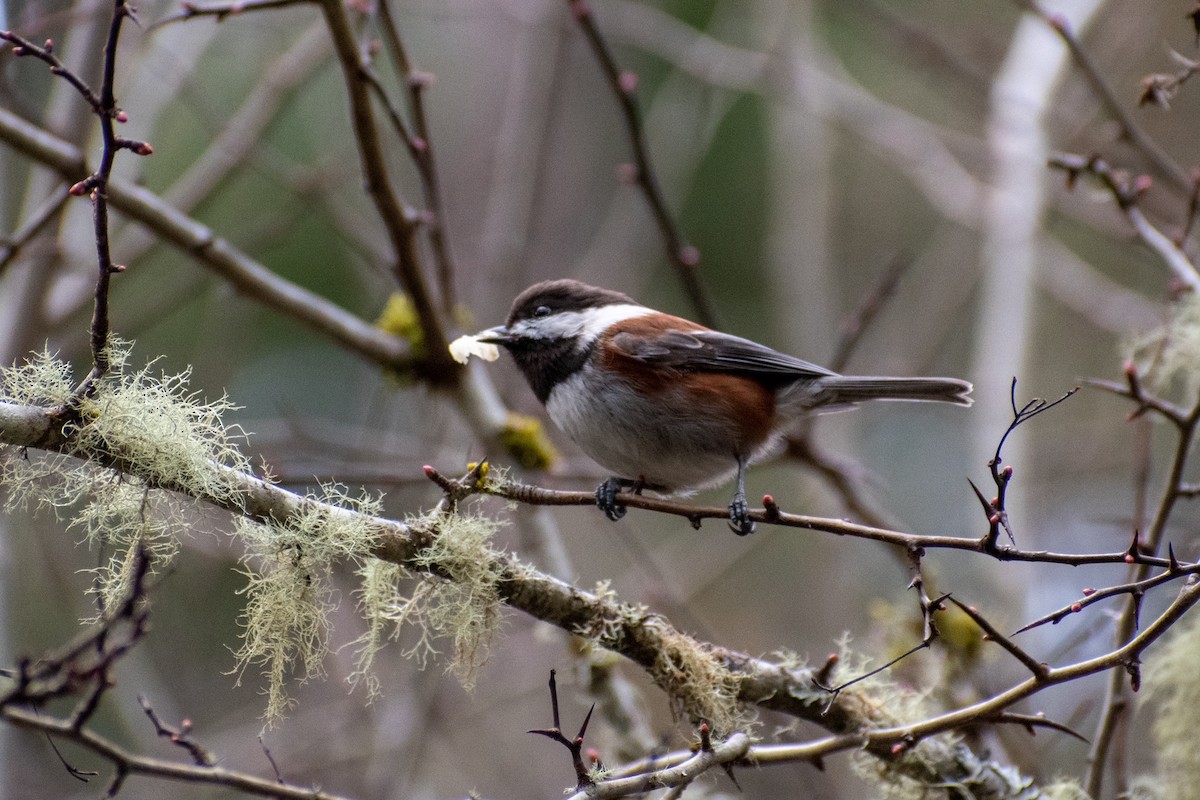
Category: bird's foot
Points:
column 606, row 499
column 739, row 516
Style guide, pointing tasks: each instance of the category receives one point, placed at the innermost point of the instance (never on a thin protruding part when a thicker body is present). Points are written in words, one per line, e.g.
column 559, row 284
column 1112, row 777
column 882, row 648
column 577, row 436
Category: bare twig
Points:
column 399, row 221
column 996, row 509
column 420, row 146
column 1134, row 390
column 224, row 9
column 859, row 320
column 214, row 253
column 1130, row 130
column 180, row 735
column 104, row 105
column 1158, row 89
column 1127, row 193
column 1016, row 651
column 11, row 246
column 534, row 495
column 684, row 258
column 725, row 753
column 127, row 762
column 1093, row 596
column 574, row 746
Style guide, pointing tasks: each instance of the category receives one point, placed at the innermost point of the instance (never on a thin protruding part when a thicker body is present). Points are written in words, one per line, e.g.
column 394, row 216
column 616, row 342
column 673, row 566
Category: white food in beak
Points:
column 462, row 348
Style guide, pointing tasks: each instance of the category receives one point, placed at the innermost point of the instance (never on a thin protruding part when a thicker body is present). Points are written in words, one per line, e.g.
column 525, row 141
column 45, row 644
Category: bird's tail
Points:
column 845, row 390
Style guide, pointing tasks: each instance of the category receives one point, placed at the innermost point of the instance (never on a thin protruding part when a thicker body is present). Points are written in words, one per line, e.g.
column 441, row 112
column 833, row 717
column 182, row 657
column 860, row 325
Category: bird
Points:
column 666, row 404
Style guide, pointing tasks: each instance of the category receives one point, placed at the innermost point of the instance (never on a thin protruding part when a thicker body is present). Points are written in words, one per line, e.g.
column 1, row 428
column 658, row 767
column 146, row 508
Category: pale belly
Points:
column 633, row 438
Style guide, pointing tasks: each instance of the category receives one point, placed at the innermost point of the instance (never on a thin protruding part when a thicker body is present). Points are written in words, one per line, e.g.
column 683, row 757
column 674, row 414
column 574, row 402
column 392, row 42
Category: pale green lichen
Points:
column 289, row 597
column 41, row 381
column 700, row 685
column 877, row 701
column 455, row 597
column 1064, row 789
column 1172, row 686
column 158, row 432
column 1169, row 357
column 162, row 431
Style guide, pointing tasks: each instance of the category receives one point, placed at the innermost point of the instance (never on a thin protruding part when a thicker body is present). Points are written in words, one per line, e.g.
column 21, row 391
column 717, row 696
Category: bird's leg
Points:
column 739, row 510
column 606, row 497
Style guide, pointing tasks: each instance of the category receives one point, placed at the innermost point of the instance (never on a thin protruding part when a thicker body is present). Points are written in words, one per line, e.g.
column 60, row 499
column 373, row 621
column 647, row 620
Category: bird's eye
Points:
column 542, row 311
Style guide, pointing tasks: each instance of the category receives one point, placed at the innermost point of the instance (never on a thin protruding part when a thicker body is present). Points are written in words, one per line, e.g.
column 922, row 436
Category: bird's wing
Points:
column 711, row 351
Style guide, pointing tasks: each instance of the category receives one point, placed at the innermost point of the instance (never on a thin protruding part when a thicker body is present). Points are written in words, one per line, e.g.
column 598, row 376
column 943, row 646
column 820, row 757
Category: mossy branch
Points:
column 295, row 539
column 679, row 663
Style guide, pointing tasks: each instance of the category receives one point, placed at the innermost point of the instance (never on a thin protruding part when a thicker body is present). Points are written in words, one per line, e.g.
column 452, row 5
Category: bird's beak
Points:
column 497, row 335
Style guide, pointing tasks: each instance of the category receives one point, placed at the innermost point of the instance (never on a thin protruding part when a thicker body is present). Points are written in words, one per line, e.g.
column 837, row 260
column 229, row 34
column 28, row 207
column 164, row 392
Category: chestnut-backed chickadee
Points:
column 666, row 404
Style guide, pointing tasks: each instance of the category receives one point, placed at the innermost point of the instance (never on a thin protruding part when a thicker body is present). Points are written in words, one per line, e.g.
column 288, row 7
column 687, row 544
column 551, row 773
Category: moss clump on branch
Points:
column 289, row 597
column 1172, row 685
column 701, row 687
column 455, row 597
column 1170, row 356
column 399, row 318
column 914, row 771
column 162, row 435
column 525, row 440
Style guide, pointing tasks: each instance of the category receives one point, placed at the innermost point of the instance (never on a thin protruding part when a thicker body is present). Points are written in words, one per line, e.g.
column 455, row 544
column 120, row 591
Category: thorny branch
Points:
column 1174, row 489
column 996, row 509
column 84, row 668
column 574, row 746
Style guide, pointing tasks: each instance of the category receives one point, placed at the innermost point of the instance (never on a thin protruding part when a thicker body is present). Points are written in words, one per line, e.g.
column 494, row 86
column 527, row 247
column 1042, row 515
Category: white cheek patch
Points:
column 582, row 325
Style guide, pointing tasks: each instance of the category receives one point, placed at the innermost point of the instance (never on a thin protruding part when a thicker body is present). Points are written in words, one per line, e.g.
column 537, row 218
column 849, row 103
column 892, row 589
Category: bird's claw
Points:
column 739, row 516
column 606, row 499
